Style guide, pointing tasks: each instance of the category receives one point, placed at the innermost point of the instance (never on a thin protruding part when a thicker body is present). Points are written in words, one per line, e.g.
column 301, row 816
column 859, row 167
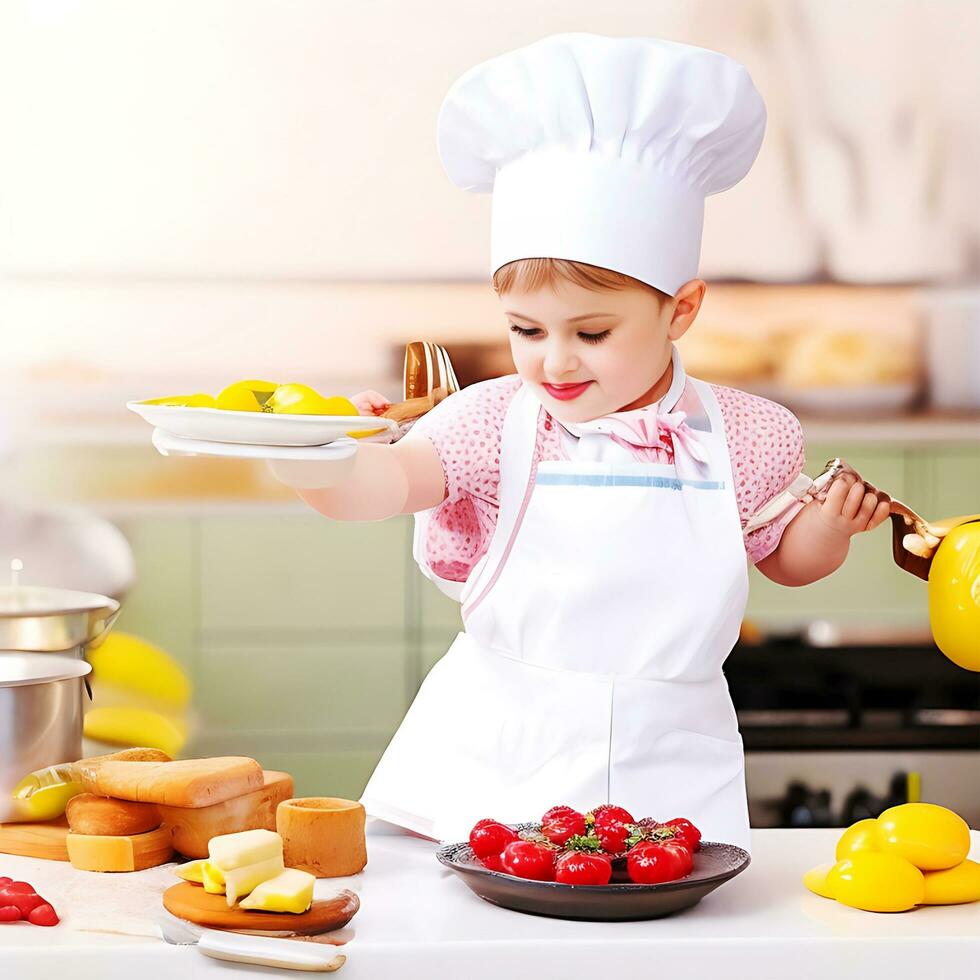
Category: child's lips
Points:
column 566, row 392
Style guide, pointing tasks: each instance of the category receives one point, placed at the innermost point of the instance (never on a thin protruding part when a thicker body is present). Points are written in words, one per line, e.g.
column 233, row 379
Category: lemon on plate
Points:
column 299, row 399
column 245, row 396
column 184, row 401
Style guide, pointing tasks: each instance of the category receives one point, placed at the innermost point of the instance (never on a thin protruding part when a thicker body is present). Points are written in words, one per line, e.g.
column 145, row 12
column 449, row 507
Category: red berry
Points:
column 559, row 827
column 5, row 881
column 44, row 915
column 526, row 859
column 10, row 913
column 23, row 900
column 577, row 868
column 489, row 837
column 492, row 862
column 650, row 862
column 687, row 833
column 613, row 812
column 558, row 811
column 18, row 887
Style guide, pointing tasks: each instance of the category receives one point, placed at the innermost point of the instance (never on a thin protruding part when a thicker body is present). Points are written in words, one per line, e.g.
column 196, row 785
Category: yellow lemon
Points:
column 816, row 880
column 954, row 596
column 953, row 885
column 876, row 882
column 861, row 836
column 245, row 396
column 297, row 399
column 120, row 725
column 128, row 662
column 929, row 836
column 184, row 401
column 43, row 795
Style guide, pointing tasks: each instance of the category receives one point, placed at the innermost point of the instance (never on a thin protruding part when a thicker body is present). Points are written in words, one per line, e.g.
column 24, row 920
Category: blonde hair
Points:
column 527, row 275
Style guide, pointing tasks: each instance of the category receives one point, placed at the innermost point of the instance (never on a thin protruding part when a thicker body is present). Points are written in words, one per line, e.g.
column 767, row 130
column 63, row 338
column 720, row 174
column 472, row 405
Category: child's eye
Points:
column 525, row 331
column 595, row 338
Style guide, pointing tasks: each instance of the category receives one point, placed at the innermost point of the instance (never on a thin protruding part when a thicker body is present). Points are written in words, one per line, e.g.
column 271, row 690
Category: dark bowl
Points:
column 714, row 864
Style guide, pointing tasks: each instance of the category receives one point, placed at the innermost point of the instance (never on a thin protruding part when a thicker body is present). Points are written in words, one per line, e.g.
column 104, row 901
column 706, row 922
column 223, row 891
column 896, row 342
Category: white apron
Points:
column 596, row 629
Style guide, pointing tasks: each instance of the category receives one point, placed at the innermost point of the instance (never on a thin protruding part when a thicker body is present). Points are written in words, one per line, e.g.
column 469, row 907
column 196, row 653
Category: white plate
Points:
column 167, row 444
column 256, row 428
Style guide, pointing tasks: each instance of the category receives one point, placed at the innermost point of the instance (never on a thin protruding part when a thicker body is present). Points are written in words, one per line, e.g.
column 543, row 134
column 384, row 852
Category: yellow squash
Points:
column 954, row 885
column 876, row 882
column 954, row 596
column 929, row 836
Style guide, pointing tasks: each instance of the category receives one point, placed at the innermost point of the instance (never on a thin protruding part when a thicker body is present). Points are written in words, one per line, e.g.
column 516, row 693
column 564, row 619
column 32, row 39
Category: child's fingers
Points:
column 880, row 514
column 868, row 507
column 853, row 501
column 370, row 402
column 836, row 495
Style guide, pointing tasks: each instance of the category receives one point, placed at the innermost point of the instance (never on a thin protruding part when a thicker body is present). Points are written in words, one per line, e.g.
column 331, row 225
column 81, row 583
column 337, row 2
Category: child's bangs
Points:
column 528, row 275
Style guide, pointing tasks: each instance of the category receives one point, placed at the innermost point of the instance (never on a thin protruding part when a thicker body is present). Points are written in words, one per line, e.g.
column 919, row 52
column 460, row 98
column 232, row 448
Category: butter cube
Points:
column 241, row 881
column 212, row 878
column 292, row 891
column 231, row 851
column 191, row 871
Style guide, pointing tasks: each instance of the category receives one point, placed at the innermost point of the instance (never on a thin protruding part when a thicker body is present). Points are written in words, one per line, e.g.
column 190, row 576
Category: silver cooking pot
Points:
column 37, row 619
column 41, row 698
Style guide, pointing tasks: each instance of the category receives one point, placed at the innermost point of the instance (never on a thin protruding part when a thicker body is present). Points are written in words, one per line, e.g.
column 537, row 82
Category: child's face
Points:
column 603, row 351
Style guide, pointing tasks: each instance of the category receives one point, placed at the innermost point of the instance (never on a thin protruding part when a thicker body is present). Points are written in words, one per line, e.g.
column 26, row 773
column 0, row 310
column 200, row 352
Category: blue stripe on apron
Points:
column 623, row 480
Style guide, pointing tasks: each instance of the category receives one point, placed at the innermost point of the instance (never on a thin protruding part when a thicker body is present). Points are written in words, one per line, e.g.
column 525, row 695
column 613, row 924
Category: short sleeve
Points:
column 466, row 430
column 765, row 442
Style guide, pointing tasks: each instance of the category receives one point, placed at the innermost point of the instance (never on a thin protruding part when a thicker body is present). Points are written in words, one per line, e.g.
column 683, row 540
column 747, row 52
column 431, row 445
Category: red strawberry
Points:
column 525, row 859
column 650, row 863
column 489, row 837
column 10, row 913
column 687, row 833
column 612, row 828
column 560, row 823
column 576, row 868
column 492, row 862
column 624, row 816
column 44, row 915
column 558, row 811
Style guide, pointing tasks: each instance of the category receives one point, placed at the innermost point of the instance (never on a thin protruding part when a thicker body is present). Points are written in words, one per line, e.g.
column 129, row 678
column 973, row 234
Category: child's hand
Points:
column 850, row 508
column 370, row 402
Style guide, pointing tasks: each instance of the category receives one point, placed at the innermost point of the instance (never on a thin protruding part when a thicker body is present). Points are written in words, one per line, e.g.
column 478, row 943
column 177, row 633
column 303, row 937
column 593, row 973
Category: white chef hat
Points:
column 601, row 150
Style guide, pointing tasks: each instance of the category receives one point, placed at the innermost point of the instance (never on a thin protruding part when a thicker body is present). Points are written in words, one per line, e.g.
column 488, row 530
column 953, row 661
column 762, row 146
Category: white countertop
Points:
column 418, row 921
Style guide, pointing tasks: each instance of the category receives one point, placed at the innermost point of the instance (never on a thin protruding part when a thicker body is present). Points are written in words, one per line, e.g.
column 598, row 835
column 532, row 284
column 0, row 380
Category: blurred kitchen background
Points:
column 199, row 191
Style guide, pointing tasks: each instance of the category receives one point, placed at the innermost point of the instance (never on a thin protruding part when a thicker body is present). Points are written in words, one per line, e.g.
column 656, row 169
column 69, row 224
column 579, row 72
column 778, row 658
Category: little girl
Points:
column 588, row 511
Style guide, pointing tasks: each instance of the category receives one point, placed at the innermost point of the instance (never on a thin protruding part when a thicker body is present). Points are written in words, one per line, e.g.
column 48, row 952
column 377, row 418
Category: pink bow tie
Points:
column 645, row 431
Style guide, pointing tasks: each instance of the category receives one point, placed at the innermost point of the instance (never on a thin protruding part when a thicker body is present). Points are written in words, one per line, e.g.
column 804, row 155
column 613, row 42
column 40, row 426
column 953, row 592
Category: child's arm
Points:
column 385, row 480
column 816, row 541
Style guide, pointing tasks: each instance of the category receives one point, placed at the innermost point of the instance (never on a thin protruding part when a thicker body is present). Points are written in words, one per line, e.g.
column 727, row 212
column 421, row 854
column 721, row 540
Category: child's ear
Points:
column 685, row 304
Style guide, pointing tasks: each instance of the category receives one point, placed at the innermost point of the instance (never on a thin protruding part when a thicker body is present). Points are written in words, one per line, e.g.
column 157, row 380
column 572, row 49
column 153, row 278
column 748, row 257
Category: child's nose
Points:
column 560, row 360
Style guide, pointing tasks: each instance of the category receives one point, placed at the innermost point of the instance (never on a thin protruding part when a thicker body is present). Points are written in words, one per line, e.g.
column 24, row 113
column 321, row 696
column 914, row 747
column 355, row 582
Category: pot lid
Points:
column 35, row 618
column 22, row 669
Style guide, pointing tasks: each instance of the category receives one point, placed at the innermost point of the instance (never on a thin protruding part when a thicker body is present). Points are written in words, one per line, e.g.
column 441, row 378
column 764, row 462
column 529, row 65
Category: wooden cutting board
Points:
column 37, row 840
column 193, row 903
column 187, row 782
column 193, row 827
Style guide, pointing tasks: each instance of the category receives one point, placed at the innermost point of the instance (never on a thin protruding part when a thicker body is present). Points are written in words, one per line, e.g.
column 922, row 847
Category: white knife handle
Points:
column 287, row 954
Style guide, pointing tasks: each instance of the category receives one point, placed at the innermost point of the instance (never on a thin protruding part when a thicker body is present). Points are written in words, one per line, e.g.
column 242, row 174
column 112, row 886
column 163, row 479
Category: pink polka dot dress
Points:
column 765, row 443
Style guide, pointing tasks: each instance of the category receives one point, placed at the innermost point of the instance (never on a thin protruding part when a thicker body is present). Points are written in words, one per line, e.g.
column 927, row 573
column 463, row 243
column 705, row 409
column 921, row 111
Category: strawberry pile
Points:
column 586, row 848
column 18, row 901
